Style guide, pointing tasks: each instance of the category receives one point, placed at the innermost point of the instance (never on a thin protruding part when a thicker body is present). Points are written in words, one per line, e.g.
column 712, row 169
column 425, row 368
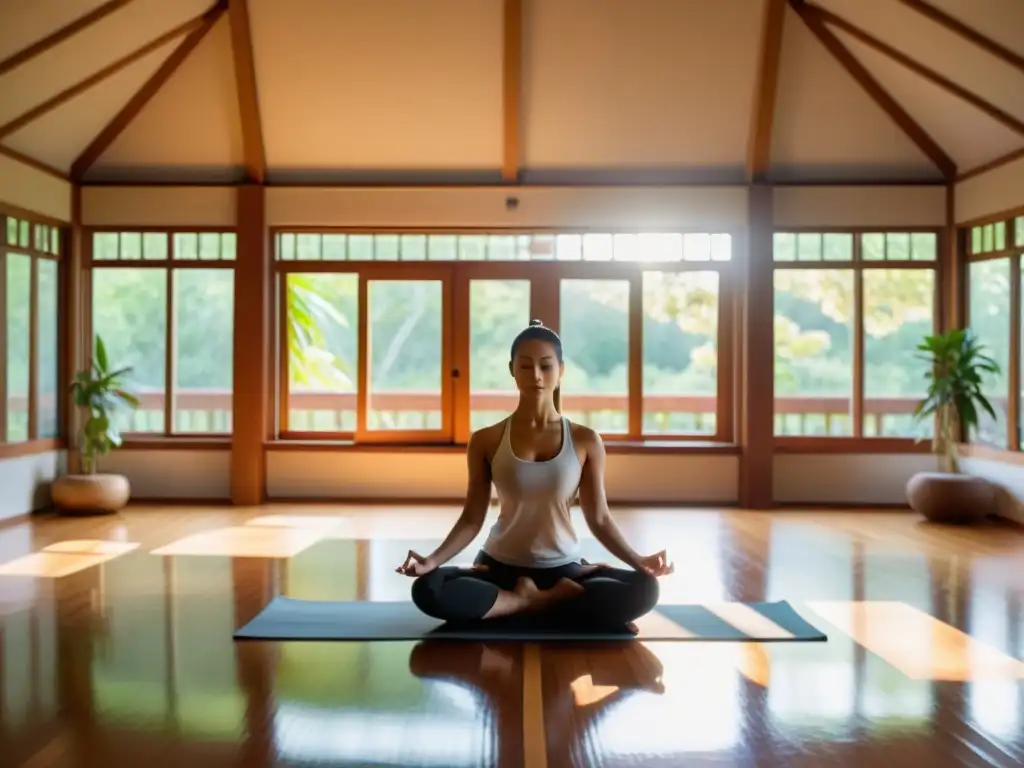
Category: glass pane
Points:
column 131, row 246
column 55, row 241
column 1000, row 230
column 698, row 248
column 204, row 324
column 595, row 336
column 19, row 280
column 1018, row 226
column 129, row 308
column 872, row 247
column 898, row 310
column 47, row 307
column 186, row 246
column 838, row 247
column 669, row 247
column 308, row 247
column 334, row 247
column 413, row 247
column 924, row 246
column 154, row 246
column 386, row 248
column 808, row 247
column 814, row 352
column 323, row 352
column 598, row 247
column 404, row 342
column 104, row 246
column 897, row 246
column 228, row 246
column 784, row 246
column 989, row 306
column 12, row 230
column 209, row 246
column 498, row 311
column 680, row 352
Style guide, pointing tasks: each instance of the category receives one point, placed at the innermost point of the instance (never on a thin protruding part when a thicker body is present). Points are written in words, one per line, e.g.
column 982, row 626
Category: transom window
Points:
column 419, row 351
column 850, row 309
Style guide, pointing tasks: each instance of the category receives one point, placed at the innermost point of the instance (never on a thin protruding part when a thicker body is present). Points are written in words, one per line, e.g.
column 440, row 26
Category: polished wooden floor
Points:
column 117, row 651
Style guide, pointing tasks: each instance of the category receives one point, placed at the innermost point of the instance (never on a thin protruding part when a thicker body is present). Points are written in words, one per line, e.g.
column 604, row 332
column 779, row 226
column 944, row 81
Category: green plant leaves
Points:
column 101, row 393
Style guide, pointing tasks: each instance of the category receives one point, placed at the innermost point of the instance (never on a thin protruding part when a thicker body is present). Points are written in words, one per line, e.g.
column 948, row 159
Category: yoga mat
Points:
column 286, row 618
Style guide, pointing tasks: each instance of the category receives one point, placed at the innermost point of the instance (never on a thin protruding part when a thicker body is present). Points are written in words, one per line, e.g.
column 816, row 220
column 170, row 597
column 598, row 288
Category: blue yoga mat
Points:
column 286, row 618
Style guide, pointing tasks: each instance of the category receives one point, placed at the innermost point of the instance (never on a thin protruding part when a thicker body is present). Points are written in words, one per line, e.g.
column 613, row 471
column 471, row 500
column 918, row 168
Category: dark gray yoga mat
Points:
column 286, row 618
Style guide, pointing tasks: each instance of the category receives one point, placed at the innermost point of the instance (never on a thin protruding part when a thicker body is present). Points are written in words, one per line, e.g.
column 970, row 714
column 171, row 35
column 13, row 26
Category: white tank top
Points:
column 534, row 527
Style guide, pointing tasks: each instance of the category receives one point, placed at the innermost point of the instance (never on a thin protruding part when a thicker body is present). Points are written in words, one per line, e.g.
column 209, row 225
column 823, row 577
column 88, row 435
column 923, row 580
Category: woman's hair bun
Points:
column 535, row 323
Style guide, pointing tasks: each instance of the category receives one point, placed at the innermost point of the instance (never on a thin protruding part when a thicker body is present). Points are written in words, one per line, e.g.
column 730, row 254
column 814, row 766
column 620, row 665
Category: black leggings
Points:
column 611, row 597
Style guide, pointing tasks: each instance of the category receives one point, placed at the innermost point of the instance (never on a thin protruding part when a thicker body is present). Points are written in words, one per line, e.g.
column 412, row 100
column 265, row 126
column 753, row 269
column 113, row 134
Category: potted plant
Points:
column 101, row 395
column 954, row 400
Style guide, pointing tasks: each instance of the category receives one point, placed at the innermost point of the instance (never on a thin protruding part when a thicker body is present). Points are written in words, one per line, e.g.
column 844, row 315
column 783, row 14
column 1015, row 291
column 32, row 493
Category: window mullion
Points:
column 171, row 337
column 857, row 411
column 33, row 349
column 1013, row 374
column 4, row 402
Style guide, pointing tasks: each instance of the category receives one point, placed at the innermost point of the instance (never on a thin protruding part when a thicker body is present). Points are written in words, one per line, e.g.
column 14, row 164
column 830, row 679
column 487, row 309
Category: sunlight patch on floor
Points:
column 918, row 644
column 244, row 541
column 64, row 558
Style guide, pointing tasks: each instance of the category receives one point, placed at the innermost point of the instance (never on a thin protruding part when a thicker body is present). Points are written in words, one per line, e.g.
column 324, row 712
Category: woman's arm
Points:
column 478, row 499
column 595, row 503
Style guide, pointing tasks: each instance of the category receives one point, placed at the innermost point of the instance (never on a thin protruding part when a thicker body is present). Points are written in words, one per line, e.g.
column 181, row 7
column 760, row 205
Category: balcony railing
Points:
column 209, row 411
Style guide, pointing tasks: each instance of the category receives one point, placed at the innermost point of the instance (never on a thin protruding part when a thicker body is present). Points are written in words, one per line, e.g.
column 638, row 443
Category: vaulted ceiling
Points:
column 407, row 91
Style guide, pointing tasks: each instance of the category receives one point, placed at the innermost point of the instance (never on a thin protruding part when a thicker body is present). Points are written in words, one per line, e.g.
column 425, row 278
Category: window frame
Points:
column 858, row 442
column 545, row 278
column 168, row 437
column 1014, row 253
column 34, row 443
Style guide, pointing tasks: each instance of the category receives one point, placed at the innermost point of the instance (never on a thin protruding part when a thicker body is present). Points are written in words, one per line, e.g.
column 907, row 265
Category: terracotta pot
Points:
column 945, row 497
column 90, row 494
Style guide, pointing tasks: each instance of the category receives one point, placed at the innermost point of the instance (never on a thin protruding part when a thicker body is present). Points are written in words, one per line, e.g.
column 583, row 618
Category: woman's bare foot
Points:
column 539, row 598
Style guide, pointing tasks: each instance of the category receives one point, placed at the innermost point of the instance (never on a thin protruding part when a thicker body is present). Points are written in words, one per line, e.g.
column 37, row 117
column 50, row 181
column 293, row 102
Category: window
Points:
column 30, row 322
column 405, row 337
column 850, row 310
column 163, row 303
column 993, row 313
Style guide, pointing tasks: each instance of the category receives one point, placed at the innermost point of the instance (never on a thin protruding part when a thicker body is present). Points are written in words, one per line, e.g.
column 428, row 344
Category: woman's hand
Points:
column 657, row 564
column 416, row 565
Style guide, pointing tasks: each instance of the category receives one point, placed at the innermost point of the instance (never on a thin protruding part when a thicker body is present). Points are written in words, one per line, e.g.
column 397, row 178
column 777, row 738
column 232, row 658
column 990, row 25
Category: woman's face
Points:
column 536, row 368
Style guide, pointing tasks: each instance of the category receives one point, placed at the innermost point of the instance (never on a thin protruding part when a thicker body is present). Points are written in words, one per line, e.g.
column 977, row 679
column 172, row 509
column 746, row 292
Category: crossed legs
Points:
column 578, row 596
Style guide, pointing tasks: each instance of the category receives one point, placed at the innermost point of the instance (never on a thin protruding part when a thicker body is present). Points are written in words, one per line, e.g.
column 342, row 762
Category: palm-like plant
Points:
column 957, row 364
column 101, row 394
column 310, row 310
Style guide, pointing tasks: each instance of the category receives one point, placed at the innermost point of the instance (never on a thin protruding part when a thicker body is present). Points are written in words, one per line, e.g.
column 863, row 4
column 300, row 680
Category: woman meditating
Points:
column 537, row 461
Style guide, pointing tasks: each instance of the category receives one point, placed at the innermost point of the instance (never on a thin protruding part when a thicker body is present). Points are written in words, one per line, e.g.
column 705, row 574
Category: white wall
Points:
column 917, row 206
column 442, row 475
column 173, row 473
column 26, row 187
column 1008, row 477
column 990, row 193
column 847, row 478
column 25, row 482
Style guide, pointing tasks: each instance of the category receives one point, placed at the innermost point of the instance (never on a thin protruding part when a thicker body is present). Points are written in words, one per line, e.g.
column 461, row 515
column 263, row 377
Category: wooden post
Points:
column 77, row 327
column 757, row 370
column 252, row 334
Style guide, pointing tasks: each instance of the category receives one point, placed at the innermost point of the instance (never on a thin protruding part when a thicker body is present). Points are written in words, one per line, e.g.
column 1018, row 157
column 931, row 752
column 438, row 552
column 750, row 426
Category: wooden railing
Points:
column 208, row 410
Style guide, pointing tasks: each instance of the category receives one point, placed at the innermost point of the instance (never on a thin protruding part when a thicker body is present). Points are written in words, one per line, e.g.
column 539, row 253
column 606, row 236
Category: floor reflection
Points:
column 128, row 660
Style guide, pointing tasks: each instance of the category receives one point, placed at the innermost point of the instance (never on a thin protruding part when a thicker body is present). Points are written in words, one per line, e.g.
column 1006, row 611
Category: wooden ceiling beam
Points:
column 31, row 162
column 69, row 93
column 40, row 47
column 248, row 96
column 970, row 34
column 101, row 143
column 759, row 147
column 512, row 73
column 928, row 146
column 931, row 75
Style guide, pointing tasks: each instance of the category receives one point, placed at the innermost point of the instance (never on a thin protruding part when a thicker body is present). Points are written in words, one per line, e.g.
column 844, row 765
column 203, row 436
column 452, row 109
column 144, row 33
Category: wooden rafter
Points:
column 760, row 141
column 98, row 77
column 881, row 97
column 245, row 84
column 31, row 162
column 970, row 34
column 991, row 165
column 40, row 47
column 929, row 74
column 131, row 110
column 511, row 89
